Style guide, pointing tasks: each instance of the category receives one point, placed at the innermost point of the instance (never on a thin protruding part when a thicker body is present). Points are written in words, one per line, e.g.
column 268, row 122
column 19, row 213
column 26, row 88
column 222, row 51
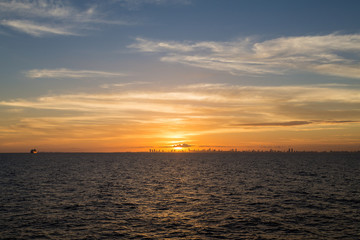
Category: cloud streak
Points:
column 68, row 73
column 45, row 9
column 185, row 114
column 280, row 124
column 291, row 123
column 233, row 105
column 333, row 54
column 36, row 30
column 120, row 85
column 61, row 18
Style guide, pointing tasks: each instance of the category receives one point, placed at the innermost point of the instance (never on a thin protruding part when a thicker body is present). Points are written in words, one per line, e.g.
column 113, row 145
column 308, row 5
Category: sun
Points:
column 181, row 147
column 178, row 147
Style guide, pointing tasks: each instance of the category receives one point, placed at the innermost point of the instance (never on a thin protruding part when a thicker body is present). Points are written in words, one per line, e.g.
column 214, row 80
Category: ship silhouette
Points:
column 33, row 151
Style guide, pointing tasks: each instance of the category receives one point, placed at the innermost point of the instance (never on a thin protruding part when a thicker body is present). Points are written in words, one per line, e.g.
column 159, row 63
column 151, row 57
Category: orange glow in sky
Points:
column 108, row 77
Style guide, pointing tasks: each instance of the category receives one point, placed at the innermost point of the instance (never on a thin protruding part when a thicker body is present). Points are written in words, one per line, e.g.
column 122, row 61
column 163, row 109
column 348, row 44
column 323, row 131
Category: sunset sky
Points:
column 130, row 75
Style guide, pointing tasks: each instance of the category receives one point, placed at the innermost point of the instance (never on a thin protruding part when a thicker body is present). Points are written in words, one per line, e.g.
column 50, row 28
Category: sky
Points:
column 134, row 75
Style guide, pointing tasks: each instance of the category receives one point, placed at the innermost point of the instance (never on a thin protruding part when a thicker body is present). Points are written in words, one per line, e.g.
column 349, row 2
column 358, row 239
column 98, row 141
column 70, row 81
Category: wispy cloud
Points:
column 333, row 54
column 36, row 29
column 185, row 113
column 69, row 73
column 119, row 85
column 51, row 9
column 280, row 106
column 61, row 18
column 291, row 123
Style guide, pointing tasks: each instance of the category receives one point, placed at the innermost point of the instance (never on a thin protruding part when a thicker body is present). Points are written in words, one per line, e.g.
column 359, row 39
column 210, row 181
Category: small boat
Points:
column 33, row 151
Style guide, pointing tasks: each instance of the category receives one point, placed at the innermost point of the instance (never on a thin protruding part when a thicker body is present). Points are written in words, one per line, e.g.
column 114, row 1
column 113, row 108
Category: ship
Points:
column 33, row 151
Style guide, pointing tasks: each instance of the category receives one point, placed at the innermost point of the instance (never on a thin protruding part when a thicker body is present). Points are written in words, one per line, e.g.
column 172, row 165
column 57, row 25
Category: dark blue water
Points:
column 180, row 196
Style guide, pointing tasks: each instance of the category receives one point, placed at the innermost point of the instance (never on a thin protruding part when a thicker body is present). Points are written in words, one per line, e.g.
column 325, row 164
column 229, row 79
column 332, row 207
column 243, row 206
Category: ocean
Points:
column 220, row 195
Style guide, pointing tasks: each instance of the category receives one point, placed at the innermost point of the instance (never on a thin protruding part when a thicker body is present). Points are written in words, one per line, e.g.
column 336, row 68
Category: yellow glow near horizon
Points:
column 95, row 122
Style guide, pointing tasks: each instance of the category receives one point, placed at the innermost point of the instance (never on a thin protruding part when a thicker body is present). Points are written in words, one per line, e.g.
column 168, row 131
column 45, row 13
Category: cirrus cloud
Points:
column 62, row 18
column 187, row 113
column 231, row 105
column 69, row 73
column 333, row 54
column 36, row 30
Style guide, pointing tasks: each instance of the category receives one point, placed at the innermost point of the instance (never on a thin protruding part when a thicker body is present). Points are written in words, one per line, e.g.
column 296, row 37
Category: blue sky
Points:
column 245, row 72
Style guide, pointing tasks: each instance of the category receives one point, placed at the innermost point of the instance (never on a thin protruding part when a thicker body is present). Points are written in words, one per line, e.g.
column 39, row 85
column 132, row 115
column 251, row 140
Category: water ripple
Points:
column 180, row 196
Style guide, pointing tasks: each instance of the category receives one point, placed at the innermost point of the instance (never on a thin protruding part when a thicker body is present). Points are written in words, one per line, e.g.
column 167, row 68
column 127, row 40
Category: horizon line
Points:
column 202, row 151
